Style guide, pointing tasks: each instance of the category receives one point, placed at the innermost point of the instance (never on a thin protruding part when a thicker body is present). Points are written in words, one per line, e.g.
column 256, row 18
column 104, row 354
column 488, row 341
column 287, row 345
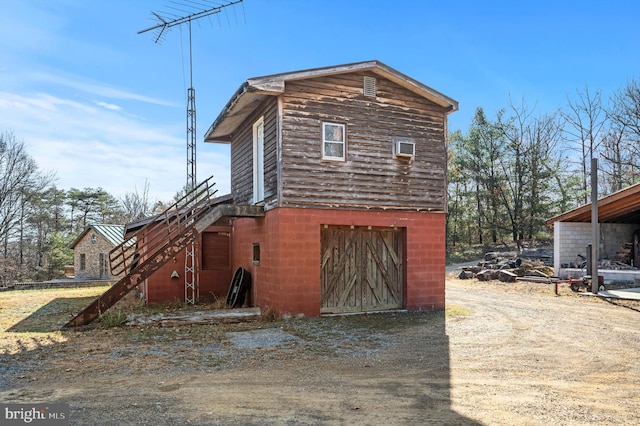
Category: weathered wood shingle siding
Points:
column 242, row 155
column 371, row 176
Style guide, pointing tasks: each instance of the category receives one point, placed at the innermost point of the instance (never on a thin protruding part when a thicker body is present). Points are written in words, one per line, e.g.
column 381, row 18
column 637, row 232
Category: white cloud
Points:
column 106, row 105
column 87, row 146
column 93, row 88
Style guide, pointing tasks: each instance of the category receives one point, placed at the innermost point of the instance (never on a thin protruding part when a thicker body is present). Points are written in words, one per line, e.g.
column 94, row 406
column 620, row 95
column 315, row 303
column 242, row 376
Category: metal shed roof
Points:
column 620, row 207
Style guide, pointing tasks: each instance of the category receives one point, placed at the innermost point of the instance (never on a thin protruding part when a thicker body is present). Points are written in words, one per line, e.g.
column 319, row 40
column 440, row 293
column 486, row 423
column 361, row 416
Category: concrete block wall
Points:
column 287, row 279
column 614, row 236
column 213, row 283
column 571, row 238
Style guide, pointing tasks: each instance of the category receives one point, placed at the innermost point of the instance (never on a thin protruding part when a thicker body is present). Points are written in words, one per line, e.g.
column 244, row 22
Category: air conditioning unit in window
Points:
column 405, row 149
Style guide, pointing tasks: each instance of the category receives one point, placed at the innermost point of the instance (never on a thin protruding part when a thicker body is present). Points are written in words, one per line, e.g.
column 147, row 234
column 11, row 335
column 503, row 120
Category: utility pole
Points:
column 166, row 20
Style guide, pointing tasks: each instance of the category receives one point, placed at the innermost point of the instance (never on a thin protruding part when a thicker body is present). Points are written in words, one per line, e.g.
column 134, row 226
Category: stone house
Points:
column 91, row 251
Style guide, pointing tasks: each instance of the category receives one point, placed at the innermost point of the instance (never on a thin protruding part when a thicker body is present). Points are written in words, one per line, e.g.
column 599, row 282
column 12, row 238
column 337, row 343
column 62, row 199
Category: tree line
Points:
column 509, row 173
column 38, row 221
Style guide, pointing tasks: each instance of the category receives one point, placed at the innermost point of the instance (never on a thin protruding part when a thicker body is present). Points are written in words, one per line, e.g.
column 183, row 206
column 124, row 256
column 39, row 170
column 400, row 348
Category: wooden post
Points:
column 595, row 235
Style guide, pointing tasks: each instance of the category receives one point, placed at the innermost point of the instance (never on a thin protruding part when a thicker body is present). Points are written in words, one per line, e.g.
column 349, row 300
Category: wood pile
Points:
column 507, row 267
column 624, row 254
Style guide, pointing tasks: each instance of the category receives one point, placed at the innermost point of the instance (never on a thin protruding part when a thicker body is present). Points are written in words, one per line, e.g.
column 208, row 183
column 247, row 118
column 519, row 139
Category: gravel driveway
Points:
column 503, row 355
column 528, row 357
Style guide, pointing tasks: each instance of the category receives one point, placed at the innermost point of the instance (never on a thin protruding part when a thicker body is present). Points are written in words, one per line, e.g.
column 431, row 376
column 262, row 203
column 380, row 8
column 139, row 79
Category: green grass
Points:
column 456, row 311
column 113, row 319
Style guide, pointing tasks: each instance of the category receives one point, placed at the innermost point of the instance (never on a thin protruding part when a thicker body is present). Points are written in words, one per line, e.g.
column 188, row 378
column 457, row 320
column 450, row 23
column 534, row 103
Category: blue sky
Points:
column 103, row 106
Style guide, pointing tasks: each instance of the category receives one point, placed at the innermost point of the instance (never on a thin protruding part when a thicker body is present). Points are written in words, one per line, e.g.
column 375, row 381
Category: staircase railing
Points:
column 162, row 229
column 156, row 243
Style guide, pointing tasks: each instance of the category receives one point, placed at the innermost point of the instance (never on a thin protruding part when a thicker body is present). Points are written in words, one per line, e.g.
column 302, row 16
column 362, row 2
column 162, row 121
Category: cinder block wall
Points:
column 614, row 236
column 571, row 238
column 287, row 279
column 161, row 287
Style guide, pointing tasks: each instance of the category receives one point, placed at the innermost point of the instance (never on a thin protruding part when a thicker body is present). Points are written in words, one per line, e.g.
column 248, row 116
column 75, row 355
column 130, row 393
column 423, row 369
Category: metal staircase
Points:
column 167, row 234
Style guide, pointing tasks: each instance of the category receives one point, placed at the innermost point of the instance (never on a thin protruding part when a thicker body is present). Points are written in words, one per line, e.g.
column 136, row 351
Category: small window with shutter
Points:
column 370, row 86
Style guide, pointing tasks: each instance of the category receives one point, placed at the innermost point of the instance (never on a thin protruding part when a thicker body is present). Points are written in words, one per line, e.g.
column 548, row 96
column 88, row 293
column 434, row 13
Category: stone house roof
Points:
column 113, row 234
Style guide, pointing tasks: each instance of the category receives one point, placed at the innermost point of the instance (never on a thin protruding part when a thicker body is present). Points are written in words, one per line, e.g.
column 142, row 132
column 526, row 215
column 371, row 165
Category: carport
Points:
column 619, row 219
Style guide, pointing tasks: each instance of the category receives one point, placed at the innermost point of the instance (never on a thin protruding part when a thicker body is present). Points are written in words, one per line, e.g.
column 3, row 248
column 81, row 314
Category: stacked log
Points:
column 624, row 254
column 506, row 267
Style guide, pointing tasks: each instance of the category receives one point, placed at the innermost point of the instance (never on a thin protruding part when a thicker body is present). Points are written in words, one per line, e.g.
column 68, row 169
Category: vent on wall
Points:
column 370, row 86
column 405, row 148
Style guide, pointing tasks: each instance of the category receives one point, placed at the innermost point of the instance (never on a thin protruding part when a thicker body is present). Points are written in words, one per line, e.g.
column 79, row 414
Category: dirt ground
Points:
column 502, row 354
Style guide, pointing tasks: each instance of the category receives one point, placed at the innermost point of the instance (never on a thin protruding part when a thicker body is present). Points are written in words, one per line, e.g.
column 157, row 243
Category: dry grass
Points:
column 32, row 318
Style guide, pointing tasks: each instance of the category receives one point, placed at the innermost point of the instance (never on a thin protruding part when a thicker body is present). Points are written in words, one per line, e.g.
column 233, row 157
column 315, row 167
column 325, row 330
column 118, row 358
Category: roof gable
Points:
column 113, row 234
column 252, row 92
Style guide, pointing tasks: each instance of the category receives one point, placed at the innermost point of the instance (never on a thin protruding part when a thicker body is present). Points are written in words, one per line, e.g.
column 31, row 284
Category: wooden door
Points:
column 361, row 269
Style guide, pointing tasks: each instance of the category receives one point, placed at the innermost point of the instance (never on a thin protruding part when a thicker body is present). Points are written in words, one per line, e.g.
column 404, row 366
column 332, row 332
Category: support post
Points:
column 595, row 234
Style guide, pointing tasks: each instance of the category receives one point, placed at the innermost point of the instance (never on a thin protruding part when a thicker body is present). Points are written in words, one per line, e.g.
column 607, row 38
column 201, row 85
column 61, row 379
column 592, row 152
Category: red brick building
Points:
column 349, row 164
column 338, row 201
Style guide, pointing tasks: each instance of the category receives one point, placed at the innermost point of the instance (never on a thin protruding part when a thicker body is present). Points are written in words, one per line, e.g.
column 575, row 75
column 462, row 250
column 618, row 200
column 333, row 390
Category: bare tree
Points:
column 137, row 205
column 585, row 121
column 529, row 165
column 20, row 183
column 622, row 143
column 618, row 166
column 626, row 110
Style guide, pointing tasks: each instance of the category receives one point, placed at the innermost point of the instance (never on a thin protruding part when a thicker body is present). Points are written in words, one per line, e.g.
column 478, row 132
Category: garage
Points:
column 361, row 269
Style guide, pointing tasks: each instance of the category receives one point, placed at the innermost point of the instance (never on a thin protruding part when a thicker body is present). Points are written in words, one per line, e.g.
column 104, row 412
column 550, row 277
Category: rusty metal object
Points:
column 158, row 242
column 131, row 280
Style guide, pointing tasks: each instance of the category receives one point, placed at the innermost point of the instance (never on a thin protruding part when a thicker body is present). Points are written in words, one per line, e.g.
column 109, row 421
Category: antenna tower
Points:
column 166, row 20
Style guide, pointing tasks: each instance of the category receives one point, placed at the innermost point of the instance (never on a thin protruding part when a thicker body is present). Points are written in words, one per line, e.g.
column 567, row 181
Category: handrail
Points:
column 161, row 229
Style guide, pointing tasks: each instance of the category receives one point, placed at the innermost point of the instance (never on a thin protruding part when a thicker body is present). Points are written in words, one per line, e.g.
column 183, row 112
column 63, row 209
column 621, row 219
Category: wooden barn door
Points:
column 361, row 269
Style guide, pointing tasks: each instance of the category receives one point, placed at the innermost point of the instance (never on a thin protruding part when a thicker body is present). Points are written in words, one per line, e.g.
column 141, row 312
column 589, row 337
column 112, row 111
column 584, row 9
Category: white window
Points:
column 333, row 141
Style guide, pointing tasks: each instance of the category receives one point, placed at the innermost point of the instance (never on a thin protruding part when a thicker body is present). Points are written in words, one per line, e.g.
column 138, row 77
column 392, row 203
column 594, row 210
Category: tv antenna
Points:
column 166, row 20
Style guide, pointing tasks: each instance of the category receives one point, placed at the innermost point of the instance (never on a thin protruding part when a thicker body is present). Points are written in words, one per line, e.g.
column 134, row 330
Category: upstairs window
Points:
column 333, row 141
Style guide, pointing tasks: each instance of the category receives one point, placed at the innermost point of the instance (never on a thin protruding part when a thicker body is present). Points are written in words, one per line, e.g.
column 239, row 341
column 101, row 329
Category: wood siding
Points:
column 371, row 177
column 242, row 155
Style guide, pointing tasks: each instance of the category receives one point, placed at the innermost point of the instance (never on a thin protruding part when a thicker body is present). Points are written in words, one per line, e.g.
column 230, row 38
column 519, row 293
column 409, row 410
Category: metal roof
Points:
column 114, row 234
column 620, row 207
column 253, row 91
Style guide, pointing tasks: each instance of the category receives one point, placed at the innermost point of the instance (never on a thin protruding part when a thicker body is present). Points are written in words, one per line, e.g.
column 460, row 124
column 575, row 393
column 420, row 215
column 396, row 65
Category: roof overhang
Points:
column 620, row 207
column 252, row 92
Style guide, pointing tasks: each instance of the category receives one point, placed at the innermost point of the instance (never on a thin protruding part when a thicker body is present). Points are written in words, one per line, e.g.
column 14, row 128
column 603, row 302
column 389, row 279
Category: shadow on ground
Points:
column 51, row 316
column 389, row 368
